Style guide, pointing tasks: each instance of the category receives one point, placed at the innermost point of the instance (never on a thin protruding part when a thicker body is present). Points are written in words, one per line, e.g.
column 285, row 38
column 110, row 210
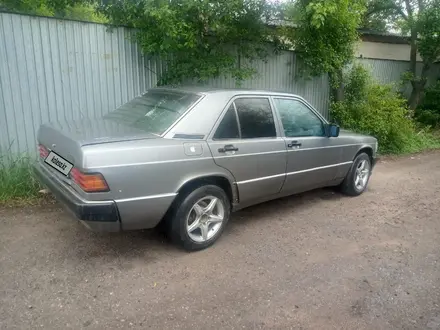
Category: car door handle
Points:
column 294, row 144
column 227, row 148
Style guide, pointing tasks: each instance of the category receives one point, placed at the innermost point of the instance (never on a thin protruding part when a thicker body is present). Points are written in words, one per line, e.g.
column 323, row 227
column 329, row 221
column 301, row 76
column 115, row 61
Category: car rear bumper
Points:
column 95, row 215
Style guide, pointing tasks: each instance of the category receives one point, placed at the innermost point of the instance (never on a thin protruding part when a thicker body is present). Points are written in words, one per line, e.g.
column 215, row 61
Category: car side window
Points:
column 297, row 119
column 228, row 128
column 255, row 117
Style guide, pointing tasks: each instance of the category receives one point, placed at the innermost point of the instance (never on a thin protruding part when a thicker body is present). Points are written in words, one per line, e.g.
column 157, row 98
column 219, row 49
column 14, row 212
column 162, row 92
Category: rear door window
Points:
column 228, row 128
column 255, row 118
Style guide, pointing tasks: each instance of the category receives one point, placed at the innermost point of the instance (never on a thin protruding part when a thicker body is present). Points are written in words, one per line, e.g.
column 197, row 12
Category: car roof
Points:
column 229, row 91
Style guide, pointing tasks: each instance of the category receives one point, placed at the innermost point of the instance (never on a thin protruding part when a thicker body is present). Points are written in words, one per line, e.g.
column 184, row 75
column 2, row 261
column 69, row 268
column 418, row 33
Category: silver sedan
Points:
column 186, row 158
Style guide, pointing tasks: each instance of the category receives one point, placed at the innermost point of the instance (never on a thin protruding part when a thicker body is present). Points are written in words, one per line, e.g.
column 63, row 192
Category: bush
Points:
column 378, row 110
column 428, row 117
column 431, row 99
column 428, row 112
column 85, row 12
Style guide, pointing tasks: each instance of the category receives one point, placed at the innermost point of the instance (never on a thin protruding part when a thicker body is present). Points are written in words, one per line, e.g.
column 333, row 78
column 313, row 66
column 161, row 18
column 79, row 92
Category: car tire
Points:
column 182, row 226
column 357, row 178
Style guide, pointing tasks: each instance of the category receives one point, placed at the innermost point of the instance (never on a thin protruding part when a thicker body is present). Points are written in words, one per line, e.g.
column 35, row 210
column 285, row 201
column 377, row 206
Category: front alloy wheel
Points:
column 362, row 175
column 358, row 176
column 205, row 219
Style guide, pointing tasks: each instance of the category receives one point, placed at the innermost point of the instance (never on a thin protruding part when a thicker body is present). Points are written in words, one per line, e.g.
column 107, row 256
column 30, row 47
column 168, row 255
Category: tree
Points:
column 374, row 24
column 199, row 39
column 36, row 7
column 420, row 21
column 73, row 9
column 325, row 36
column 377, row 16
column 428, row 45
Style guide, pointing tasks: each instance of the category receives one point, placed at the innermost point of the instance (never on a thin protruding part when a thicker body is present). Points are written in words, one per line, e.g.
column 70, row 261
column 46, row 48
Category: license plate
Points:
column 58, row 163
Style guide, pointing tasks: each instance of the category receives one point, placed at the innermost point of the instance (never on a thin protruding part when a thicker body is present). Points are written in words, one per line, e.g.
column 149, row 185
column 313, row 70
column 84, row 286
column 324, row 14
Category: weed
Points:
column 17, row 182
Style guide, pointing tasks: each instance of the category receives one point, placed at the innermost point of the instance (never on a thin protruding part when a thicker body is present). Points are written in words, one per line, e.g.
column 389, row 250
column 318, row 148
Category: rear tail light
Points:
column 89, row 182
column 43, row 151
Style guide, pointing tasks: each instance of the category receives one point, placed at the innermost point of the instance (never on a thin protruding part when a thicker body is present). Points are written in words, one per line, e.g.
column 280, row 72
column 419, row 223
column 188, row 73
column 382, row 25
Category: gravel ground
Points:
column 315, row 261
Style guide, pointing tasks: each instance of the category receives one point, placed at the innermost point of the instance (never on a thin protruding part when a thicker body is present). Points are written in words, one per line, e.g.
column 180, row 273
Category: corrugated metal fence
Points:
column 53, row 69
column 387, row 72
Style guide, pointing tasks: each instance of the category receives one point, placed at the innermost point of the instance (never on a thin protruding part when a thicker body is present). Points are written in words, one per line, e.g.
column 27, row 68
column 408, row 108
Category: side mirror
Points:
column 332, row 130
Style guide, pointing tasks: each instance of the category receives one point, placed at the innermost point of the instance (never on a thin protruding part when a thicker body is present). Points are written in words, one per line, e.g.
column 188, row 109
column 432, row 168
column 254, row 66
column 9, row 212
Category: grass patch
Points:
column 17, row 183
column 422, row 140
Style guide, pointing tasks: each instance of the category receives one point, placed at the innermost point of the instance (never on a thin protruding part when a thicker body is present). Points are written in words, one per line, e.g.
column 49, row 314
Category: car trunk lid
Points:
column 67, row 137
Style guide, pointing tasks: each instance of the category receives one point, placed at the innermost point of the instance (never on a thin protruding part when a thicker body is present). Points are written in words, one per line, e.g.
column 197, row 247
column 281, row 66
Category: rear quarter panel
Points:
column 145, row 176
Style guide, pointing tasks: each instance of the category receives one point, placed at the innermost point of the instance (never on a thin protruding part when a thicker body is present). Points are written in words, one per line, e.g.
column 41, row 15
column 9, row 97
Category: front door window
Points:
column 298, row 120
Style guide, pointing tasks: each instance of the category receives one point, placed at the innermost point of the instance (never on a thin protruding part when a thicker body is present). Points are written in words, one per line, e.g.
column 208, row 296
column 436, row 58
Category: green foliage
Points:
column 374, row 24
column 432, row 98
column 420, row 21
column 16, row 179
column 383, row 15
column 200, row 39
column 429, row 33
column 326, row 32
column 59, row 6
column 83, row 10
column 35, row 7
column 375, row 109
column 428, row 117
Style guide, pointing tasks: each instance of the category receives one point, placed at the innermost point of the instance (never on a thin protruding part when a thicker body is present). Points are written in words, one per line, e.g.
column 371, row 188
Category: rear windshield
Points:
column 153, row 112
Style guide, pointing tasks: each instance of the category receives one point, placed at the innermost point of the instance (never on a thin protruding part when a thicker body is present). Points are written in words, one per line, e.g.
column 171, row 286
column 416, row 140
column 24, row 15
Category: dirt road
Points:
column 315, row 261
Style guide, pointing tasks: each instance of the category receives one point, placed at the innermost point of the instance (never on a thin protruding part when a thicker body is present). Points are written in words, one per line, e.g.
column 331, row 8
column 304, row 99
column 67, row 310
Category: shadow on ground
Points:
column 134, row 244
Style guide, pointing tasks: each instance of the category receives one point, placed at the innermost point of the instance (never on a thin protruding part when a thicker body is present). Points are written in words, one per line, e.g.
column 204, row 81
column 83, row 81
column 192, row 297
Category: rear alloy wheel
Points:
column 200, row 217
column 357, row 178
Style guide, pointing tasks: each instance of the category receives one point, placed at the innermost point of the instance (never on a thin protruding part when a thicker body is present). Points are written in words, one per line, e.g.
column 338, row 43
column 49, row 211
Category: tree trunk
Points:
column 418, row 87
column 413, row 53
column 338, row 93
column 416, row 94
column 336, row 86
